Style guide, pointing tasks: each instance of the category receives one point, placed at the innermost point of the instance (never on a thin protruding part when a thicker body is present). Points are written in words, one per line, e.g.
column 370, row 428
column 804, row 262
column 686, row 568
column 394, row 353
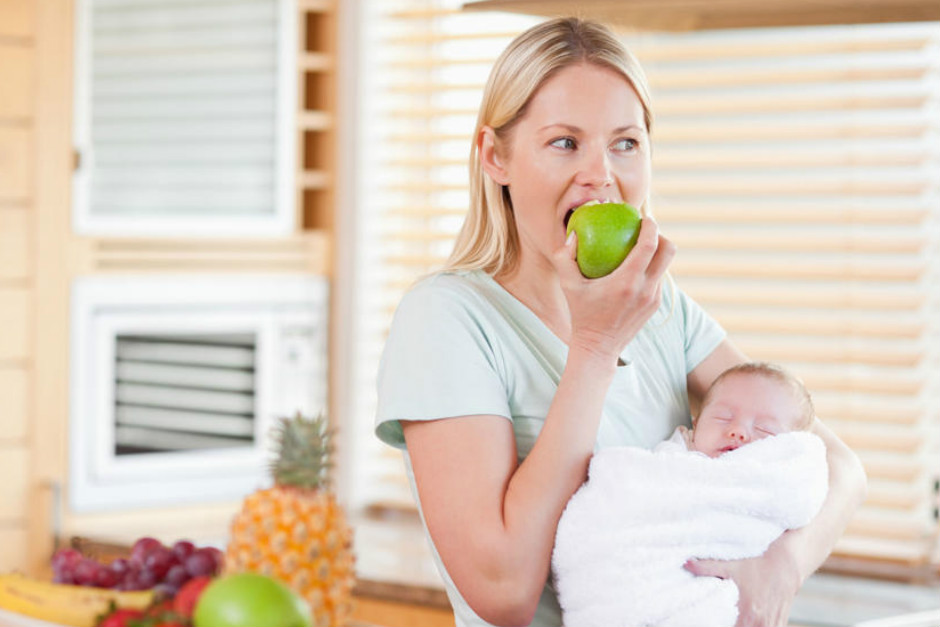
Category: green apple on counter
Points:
column 606, row 234
column 250, row 600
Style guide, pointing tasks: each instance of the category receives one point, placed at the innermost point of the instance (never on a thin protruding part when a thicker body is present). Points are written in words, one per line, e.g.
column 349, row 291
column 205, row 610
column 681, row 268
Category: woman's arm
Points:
column 493, row 520
column 769, row 583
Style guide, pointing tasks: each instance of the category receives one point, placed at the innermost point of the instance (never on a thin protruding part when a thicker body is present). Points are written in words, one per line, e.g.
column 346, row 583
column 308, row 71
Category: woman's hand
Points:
column 767, row 584
column 606, row 313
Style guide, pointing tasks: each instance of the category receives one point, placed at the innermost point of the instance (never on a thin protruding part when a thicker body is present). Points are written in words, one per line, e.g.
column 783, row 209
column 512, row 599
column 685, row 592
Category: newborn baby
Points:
column 747, row 471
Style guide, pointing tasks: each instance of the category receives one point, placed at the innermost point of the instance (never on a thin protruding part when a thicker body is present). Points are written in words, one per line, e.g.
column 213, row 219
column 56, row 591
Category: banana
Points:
column 76, row 606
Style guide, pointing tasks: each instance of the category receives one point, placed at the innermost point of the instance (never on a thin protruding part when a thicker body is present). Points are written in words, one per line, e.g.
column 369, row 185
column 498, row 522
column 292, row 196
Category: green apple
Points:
column 606, row 233
column 250, row 600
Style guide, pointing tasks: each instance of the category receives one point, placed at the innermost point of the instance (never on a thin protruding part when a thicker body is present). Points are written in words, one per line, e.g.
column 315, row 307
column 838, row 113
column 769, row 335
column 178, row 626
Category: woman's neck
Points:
column 536, row 286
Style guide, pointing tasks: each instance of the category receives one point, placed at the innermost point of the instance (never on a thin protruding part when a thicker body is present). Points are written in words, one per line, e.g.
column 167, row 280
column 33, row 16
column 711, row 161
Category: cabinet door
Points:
column 184, row 117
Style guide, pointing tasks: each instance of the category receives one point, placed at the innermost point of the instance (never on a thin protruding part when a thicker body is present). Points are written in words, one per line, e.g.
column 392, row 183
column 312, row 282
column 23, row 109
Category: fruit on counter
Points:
column 607, row 232
column 121, row 618
column 160, row 614
column 151, row 564
column 296, row 532
column 76, row 606
column 250, row 600
column 184, row 603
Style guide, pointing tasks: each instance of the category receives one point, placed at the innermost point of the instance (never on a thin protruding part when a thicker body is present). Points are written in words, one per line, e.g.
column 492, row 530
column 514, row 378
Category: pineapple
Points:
column 295, row 531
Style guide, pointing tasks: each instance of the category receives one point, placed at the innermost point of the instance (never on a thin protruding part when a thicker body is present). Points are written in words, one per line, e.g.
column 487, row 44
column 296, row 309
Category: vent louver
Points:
column 176, row 392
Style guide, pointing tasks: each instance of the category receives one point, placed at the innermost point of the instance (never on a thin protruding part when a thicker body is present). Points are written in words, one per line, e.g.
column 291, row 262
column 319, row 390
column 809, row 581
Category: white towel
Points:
column 627, row 532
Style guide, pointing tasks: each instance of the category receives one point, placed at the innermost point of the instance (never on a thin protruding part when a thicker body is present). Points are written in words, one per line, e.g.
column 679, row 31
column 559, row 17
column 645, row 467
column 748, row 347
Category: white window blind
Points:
column 185, row 117
column 797, row 169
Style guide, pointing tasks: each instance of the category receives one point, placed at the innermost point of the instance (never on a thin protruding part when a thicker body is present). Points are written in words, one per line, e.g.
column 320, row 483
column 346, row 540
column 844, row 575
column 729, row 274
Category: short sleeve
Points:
column 438, row 361
column 702, row 333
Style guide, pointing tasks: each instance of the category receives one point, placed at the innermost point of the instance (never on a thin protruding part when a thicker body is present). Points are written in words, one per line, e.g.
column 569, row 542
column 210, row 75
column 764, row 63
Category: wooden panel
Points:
column 13, row 555
column 14, row 388
column 14, row 243
column 684, row 15
column 16, row 76
column 52, row 162
column 307, row 252
column 17, row 18
column 14, row 468
column 14, row 324
column 15, row 157
column 392, row 614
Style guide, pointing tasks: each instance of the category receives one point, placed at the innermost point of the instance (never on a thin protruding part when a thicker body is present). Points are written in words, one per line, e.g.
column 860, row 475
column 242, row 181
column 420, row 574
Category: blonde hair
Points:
column 488, row 239
column 774, row 373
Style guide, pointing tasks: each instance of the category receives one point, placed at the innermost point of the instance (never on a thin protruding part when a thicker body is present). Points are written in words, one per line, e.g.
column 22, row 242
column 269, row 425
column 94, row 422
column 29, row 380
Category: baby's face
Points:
column 744, row 408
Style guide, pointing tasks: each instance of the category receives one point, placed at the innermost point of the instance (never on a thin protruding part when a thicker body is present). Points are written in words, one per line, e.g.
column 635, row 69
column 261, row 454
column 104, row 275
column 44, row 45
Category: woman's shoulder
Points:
column 445, row 291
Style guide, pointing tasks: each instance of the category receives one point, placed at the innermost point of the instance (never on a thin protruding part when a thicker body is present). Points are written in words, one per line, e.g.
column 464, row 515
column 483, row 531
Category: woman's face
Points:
column 582, row 138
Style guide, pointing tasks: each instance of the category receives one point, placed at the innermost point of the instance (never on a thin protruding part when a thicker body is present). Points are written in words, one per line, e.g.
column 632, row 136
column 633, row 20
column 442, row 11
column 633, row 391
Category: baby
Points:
column 748, row 402
column 627, row 532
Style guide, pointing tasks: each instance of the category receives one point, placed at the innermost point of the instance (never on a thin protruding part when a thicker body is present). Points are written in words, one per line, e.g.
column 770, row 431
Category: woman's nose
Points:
column 595, row 170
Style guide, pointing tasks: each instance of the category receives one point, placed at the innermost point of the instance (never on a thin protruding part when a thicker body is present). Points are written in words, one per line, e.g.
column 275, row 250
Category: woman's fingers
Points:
column 565, row 260
column 647, row 244
column 665, row 253
column 708, row 568
column 650, row 257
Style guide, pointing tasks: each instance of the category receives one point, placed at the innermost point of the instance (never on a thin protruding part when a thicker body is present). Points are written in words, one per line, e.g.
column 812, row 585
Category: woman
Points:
column 502, row 374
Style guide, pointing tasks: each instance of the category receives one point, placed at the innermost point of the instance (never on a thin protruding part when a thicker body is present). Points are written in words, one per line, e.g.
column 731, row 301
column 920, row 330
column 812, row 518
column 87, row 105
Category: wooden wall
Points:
column 40, row 256
column 17, row 146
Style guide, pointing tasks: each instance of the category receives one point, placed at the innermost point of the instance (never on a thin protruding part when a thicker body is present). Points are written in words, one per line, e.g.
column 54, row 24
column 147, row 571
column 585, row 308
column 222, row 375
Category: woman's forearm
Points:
column 557, row 465
column 811, row 545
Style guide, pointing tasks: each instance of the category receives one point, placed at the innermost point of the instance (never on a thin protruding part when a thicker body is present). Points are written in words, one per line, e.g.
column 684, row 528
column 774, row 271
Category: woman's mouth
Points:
column 568, row 215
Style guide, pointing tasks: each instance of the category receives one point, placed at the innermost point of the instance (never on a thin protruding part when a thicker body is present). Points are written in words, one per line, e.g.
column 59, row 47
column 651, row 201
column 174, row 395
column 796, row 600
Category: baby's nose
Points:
column 738, row 434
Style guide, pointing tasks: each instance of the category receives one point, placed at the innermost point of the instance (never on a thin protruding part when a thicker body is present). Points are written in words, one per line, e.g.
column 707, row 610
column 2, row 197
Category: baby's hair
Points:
column 775, row 373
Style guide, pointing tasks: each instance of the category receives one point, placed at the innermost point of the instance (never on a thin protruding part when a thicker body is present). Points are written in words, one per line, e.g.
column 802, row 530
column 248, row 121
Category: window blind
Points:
column 184, row 116
column 798, row 171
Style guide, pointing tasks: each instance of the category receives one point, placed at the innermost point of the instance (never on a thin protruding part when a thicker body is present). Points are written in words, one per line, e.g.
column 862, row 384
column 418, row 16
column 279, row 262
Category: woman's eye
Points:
column 566, row 143
column 625, row 145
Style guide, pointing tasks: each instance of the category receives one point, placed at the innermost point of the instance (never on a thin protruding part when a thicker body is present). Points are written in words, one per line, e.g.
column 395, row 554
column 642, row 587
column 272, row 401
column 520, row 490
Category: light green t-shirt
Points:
column 462, row 345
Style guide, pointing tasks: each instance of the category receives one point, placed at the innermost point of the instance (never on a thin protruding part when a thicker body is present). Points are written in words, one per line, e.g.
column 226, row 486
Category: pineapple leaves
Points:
column 303, row 451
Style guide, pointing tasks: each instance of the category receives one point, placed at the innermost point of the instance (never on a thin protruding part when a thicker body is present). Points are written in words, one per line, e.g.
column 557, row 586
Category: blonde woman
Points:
column 502, row 374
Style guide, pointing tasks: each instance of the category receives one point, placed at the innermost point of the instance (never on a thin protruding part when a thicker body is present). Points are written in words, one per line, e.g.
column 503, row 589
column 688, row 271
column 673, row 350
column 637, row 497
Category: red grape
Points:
column 86, row 572
column 145, row 579
column 143, row 547
column 183, row 549
column 218, row 558
column 158, row 561
column 177, row 575
column 65, row 560
column 200, row 563
column 120, row 567
column 106, row 578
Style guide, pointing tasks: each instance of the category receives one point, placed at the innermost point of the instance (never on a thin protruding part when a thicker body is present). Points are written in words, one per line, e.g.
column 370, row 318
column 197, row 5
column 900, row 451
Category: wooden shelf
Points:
column 315, row 62
column 306, row 252
column 687, row 15
column 314, row 121
column 315, row 6
column 314, row 179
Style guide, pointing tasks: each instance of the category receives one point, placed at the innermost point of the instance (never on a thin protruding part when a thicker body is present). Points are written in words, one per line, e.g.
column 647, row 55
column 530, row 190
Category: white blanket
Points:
column 627, row 532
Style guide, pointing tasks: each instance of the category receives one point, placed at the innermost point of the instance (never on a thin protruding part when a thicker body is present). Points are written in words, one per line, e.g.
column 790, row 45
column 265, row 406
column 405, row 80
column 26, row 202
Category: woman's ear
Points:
column 492, row 163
